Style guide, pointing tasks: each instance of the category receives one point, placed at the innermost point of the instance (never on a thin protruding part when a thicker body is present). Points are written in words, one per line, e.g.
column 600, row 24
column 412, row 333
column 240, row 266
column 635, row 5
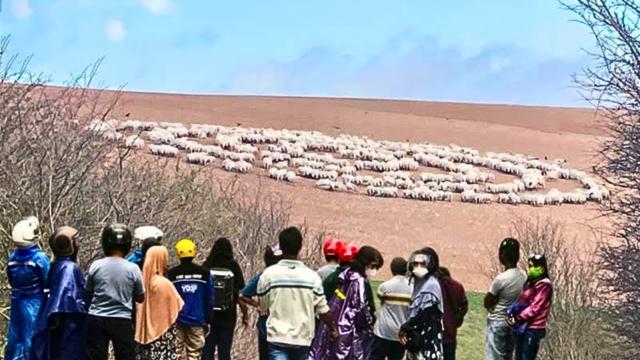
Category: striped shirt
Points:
column 293, row 295
column 395, row 295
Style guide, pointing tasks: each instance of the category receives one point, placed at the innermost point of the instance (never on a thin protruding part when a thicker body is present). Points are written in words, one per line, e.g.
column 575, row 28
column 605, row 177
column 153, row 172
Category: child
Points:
column 330, row 249
column 113, row 284
column 61, row 325
column 27, row 270
column 195, row 286
column 271, row 257
column 395, row 296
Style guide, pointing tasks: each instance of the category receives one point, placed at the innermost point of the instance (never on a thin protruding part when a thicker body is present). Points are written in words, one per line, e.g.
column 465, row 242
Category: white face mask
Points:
column 420, row 272
column 371, row 272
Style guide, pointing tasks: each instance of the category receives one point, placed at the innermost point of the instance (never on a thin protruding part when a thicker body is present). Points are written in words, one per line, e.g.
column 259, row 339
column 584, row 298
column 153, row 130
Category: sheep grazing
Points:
column 160, row 136
column 331, row 185
column 348, row 170
column 246, row 157
column 281, row 165
column 239, row 166
column 282, row 175
column 134, row 142
column 408, row 164
column 533, row 179
column 476, row 198
column 163, row 150
column 505, row 188
column 200, row 158
column 388, row 192
column 214, row 150
column 316, row 174
column 363, row 180
column 510, row 198
column 574, row 197
column 533, row 199
column 267, row 162
column 426, row 194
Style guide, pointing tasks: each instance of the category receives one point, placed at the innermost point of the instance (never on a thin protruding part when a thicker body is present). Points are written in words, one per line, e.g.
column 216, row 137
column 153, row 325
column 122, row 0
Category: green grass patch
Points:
column 471, row 334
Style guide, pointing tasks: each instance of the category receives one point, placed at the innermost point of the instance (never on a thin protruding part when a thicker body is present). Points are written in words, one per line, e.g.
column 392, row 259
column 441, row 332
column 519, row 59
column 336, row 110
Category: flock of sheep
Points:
column 345, row 163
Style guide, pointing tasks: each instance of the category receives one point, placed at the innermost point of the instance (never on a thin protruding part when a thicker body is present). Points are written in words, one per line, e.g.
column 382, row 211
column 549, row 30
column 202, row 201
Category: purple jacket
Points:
column 354, row 318
column 536, row 300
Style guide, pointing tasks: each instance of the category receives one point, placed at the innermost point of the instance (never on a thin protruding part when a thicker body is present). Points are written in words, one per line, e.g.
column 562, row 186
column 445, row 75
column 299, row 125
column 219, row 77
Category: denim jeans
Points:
column 528, row 344
column 499, row 341
column 220, row 340
column 280, row 352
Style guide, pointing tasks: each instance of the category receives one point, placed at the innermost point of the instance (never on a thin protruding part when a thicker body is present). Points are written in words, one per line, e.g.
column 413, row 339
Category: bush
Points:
column 578, row 327
column 53, row 166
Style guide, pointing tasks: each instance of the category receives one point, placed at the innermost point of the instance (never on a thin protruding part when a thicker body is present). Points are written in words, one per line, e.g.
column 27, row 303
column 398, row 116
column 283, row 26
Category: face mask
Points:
column 371, row 272
column 535, row 272
column 420, row 272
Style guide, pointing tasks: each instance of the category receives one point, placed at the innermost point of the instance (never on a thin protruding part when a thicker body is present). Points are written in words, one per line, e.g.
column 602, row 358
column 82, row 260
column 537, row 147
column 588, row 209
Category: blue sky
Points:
column 497, row 51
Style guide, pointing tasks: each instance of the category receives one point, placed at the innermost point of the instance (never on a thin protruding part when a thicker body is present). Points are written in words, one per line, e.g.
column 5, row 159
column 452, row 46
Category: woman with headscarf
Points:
column 421, row 335
column 157, row 314
column 531, row 311
column 224, row 321
column 62, row 321
column 353, row 310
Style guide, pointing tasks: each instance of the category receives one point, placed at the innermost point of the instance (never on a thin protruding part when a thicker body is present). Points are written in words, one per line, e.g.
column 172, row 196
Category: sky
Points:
column 493, row 51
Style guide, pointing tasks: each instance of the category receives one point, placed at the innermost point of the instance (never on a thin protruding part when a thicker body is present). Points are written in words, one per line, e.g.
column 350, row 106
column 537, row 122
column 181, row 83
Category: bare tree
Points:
column 54, row 166
column 577, row 327
column 613, row 85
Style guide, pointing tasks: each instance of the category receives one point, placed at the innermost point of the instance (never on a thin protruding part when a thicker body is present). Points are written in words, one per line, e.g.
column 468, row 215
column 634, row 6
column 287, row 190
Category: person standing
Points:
column 330, row 249
column 346, row 254
column 395, row 297
column 223, row 326
column 156, row 316
column 271, row 257
column 535, row 302
column 195, row 286
column 145, row 237
column 351, row 310
column 292, row 294
column 113, row 285
column 504, row 291
column 62, row 322
column 421, row 335
column 456, row 306
column 27, row 271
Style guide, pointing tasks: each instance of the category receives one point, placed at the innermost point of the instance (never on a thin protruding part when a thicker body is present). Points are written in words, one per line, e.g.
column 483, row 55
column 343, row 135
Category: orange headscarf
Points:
column 162, row 303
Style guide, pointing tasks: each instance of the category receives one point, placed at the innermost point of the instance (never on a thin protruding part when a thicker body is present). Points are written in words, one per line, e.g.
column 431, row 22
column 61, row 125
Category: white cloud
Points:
column 114, row 30
column 157, row 7
column 21, row 8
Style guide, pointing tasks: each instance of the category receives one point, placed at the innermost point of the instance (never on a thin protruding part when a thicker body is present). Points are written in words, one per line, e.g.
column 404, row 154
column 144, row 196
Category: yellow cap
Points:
column 185, row 248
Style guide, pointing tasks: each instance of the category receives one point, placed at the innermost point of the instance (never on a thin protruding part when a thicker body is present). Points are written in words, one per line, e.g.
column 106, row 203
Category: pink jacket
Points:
column 537, row 302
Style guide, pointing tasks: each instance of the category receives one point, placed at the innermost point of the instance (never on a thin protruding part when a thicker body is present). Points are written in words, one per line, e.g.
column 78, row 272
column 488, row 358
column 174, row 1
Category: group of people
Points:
column 147, row 311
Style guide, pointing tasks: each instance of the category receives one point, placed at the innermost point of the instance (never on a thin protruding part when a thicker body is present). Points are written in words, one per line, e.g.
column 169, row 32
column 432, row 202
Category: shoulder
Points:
column 95, row 266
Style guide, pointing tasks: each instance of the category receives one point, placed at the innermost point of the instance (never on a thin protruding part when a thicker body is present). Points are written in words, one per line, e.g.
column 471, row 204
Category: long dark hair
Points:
column 221, row 254
column 366, row 256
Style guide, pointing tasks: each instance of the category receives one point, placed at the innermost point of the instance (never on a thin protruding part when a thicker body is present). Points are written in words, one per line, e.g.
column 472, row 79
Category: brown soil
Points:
column 464, row 234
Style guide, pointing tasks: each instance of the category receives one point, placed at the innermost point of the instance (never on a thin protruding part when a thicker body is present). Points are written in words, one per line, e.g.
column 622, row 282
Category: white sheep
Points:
column 282, row 174
column 134, row 142
column 239, row 166
column 200, row 158
column 163, row 150
column 389, row 192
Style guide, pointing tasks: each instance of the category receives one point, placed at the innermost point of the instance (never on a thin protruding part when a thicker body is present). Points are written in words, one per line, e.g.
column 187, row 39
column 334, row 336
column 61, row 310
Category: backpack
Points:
column 223, row 289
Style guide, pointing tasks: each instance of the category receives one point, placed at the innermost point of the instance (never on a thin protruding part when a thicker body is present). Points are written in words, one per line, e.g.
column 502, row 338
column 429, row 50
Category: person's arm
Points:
column 89, row 287
column 328, row 320
column 138, row 287
column 382, row 293
column 44, row 265
column 239, row 285
column 491, row 298
column 541, row 301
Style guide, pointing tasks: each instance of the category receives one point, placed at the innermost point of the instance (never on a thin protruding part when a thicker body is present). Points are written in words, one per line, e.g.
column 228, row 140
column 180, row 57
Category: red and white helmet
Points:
column 331, row 246
column 347, row 253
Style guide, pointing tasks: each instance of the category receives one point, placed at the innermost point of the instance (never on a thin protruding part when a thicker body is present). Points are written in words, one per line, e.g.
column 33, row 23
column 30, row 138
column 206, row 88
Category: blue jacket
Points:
column 27, row 270
column 61, row 326
column 136, row 257
column 195, row 286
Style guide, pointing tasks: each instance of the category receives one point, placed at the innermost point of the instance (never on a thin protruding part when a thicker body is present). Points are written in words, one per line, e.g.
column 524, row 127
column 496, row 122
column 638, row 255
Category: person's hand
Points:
column 333, row 334
column 403, row 338
column 511, row 320
column 262, row 311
